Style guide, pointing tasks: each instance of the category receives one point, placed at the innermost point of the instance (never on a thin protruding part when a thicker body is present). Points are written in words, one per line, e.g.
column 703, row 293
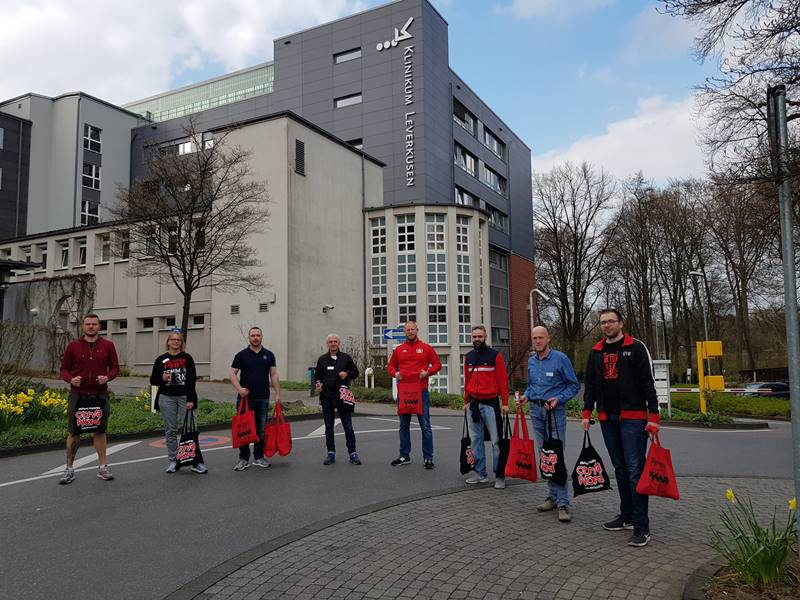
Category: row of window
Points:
column 467, row 121
column 468, row 162
column 149, row 323
column 67, row 250
column 497, row 218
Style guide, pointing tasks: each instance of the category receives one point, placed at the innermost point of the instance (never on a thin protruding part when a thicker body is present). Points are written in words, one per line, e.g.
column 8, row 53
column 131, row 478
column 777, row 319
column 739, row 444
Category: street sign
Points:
column 396, row 333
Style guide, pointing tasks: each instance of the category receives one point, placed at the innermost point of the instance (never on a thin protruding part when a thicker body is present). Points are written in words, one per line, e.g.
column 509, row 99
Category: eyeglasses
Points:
column 609, row 322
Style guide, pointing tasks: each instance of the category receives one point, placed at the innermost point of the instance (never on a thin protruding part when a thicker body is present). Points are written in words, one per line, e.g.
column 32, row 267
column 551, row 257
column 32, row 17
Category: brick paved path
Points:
column 426, row 548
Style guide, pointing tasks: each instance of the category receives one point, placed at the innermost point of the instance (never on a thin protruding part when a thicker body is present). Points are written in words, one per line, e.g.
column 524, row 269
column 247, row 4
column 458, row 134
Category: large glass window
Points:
column 91, row 176
column 464, row 159
column 494, row 180
column 464, row 198
column 494, row 143
column 378, row 279
column 438, row 382
column 103, row 244
column 437, row 278
column 463, row 280
column 406, row 269
column 91, row 138
column 90, row 213
column 498, row 219
column 63, row 247
column 462, row 117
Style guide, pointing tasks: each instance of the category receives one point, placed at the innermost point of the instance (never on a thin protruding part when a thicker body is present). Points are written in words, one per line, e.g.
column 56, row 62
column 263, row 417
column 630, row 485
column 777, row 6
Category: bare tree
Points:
column 189, row 221
column 572, row 238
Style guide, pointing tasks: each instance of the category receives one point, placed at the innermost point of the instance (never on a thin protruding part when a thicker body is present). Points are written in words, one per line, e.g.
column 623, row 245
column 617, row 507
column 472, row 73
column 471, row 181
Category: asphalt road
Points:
column 146, row 533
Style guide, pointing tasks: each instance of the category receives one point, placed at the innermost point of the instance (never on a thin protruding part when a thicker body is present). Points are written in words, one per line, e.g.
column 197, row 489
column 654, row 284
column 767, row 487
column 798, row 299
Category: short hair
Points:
column 91, row 316
column 612, row 310
column 407, row 323
column 481, row 327
column 180, row 337
column 255, row 327
column 333, row 335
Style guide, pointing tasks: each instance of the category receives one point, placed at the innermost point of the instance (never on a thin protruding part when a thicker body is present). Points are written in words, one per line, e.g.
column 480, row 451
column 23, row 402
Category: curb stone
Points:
column 695, row 585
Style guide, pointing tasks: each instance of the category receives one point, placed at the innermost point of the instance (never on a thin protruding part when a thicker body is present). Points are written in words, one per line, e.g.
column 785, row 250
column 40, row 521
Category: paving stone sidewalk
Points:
column 492, row 544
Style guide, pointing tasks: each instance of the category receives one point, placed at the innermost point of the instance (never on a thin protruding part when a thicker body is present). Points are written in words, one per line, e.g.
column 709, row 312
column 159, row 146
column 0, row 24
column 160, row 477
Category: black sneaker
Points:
column 640, row 537
column 428, row 463
column 400, row 461
column 617, row 524
column 354, row 460
column 330, row 459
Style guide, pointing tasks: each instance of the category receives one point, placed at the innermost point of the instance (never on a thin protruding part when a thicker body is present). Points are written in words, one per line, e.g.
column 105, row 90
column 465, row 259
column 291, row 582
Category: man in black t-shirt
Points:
column 619, row 383
column 251, row 371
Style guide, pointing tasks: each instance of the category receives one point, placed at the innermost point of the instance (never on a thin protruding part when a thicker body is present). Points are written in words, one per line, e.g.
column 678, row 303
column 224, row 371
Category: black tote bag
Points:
column 465, row 457
column 551, row 454
column 188, row 453
column 503, row 445
column 589, row 474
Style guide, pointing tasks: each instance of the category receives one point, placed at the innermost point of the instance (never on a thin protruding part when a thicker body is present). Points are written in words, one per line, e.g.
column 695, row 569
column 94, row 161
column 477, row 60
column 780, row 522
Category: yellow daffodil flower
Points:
column 730, row 495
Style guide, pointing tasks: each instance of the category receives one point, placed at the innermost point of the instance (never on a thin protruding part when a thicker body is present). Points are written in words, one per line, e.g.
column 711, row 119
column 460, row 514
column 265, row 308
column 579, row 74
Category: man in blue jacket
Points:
column 551, row 384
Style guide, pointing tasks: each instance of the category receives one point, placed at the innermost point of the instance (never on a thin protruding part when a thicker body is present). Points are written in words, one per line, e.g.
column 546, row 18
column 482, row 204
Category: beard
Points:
column 479, row 345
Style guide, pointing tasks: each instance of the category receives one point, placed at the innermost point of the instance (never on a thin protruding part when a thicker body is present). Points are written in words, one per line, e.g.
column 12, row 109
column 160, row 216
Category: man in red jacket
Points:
column 415, row 360
column 89, row 363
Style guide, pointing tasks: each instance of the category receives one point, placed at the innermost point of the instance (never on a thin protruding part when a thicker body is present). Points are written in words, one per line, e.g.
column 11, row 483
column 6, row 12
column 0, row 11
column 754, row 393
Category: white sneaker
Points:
column 171, row 467
column 500, row 483
column 263, row 463
column 476, row 479
column 241, row 465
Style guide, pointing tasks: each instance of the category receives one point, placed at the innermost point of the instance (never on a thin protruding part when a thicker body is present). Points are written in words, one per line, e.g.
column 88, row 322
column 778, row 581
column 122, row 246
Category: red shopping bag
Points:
column 243, row 427
column 409, row 397
column 521, row 458
column 278, row 434
column 658, row 476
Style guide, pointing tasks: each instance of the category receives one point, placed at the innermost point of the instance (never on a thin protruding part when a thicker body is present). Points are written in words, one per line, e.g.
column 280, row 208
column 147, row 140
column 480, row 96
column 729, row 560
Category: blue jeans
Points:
column 559, row 493
column 329, row 407
column 488, row 420
column 261, row 408
column 424, row 424
column 626, row 441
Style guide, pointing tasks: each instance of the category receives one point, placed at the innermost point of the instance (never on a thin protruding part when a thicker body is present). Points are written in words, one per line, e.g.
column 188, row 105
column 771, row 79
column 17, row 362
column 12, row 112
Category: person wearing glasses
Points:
column 175, row 375
column 619, row 383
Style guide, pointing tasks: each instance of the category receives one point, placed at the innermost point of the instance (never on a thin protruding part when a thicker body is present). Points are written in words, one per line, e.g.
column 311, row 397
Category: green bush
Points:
column 730, row 404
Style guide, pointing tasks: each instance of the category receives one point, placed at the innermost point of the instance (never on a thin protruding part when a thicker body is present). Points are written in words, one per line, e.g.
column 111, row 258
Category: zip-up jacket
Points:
column 327, row 373
column 411, row 358
column 637, row 388
column 89, row 362
column 485, row 375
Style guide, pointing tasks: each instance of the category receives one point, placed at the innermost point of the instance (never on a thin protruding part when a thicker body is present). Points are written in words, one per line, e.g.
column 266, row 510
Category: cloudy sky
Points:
column 607, row 81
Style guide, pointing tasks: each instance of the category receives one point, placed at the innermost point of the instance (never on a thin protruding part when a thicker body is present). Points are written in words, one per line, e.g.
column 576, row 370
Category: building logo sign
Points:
column 401, row 35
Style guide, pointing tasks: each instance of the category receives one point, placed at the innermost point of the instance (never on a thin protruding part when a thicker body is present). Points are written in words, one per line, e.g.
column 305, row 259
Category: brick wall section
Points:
column 521, row 279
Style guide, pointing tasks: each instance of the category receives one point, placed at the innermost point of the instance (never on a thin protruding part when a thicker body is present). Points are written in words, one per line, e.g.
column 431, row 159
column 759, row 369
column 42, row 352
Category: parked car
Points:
column 772, row 389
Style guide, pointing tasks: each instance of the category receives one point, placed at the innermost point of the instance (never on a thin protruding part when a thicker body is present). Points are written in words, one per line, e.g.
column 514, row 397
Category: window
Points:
column 26, row 253
column 172, row 240
column 64, row 251
column 299, row 157
column 462, row 117
column 406, row 269
column 91, row 176
column 463, row 281
column 350, row 100
column 378, row 235
column 82, row 252
column 378, row 279
column 186, row 148
column 103, row 245
column 436, row 263
column 501, row 336
column 103, row 325
column 464, row 198
column 498, row 219
column 464, row 159
column 405, row 233
column 169, row 322
column 493, row 143
column 124, row 245
column 438, row 382
column 198, row 320
column 498, row 261
column 146, row 323
column 208, row 141
column 1, row 179
column 347, row 55
column 2, row 136
column 122, row 325
column 357, row 143
column 42, row 256
column 90, row 213
column 91, row 138
column 493, row 180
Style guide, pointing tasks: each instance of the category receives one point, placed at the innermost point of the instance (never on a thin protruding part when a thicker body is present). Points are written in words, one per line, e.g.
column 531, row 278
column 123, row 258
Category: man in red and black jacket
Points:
column 89, row 363
column 485, row 379
column 619, row 383
column 415, row 360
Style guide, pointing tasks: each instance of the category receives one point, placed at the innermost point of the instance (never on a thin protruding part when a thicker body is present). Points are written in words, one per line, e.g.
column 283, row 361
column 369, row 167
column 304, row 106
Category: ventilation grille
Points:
column 299, row 157
column 263, row 307
column 234, row 309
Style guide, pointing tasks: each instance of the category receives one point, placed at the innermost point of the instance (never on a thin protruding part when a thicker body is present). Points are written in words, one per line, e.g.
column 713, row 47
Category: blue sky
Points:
column 607, row 81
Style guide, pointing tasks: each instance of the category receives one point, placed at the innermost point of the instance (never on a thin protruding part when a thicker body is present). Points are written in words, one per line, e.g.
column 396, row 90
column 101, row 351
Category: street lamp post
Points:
column 543, row 296
column 703, row 310
column 655, row 327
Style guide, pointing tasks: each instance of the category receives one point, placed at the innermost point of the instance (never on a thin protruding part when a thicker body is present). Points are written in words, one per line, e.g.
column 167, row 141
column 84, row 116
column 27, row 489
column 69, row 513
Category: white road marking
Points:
column 396, row 422
column 320, row 431
column 92, row 457
column 161, row 457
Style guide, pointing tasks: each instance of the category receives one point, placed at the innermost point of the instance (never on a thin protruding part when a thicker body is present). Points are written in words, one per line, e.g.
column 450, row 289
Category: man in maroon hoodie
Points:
column 89, row 363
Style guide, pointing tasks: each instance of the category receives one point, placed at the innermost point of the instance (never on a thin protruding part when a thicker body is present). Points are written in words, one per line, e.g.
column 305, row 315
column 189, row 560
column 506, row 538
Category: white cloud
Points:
column 559, row 9
column 656, row 35
column 122, row 51
column 660, row 139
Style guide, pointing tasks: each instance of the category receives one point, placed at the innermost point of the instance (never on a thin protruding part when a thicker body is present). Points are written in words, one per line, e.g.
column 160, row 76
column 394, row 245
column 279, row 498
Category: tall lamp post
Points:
column 543, row 296
column 703, row 310
column 653, row 308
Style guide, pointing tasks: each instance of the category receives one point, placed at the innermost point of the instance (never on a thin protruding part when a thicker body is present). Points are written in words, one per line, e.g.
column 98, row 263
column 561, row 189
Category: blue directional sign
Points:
column 396, row 333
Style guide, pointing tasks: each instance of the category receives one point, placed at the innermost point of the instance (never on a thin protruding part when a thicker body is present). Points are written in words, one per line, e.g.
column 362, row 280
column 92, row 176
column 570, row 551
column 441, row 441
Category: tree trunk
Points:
column 187, row 300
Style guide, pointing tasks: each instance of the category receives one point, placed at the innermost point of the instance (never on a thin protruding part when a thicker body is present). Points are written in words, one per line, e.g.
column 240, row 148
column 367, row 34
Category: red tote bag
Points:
column 521, row 458
column 243, row 427
column 278, row 434
column 658, row 476
column 409, row 397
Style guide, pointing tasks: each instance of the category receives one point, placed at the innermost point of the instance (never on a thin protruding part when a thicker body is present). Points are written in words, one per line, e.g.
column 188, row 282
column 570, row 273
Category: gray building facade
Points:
column 15, row 148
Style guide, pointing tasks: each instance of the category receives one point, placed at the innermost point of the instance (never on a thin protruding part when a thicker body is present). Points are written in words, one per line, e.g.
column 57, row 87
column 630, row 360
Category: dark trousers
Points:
column 261, row 408
column 346, row 416
column 626, row 441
